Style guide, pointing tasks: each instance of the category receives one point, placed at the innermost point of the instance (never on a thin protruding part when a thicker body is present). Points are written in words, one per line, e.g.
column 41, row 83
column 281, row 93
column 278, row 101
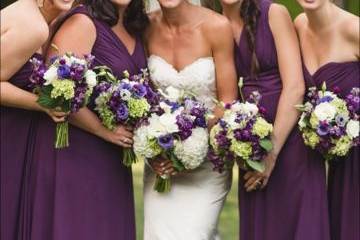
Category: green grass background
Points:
column 229, row 219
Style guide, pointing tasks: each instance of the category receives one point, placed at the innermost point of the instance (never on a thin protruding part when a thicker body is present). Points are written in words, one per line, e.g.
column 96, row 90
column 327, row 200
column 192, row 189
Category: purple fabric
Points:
column 344, row 173
column 293, row 206
column 17, row 137
column 83, row 192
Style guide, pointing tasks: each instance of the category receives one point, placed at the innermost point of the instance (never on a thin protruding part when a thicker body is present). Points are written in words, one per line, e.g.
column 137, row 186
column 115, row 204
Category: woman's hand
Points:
column 56, row 115
column 121, row 135
column 258, row 180
column 163, row 166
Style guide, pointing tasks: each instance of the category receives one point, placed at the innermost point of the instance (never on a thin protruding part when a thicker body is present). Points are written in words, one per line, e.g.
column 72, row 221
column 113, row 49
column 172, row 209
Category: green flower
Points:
column 241, row 149
column 342, row 146
column 311, row 139
column 154, row 146
column 107, row 117
column 314, row 121
column 63, row 88
column 262, row 128
column 138, row 107
column 340, row 106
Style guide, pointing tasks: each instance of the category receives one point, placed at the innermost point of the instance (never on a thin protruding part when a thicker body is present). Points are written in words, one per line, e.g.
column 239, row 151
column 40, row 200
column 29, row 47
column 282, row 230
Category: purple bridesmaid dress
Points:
column 84, row 192
column 17, row 136
column 344, row 173
column 293, row 206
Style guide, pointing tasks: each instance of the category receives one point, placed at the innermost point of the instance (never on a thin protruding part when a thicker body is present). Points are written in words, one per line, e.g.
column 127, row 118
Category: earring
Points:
column 40, row 3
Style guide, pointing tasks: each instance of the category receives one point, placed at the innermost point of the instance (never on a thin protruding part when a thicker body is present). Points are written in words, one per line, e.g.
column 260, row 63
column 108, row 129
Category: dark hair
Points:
column 249, row 12
column 135, row 17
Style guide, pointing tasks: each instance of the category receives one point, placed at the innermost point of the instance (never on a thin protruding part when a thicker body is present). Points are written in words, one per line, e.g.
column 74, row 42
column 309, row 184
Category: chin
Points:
column 63, row 5
column 121, row 2
column 311, row 4
column 170, row 3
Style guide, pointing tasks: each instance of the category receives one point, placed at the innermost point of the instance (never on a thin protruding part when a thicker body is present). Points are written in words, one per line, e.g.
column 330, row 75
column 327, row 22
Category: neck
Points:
column 322, row 17
column 232, row 11
column 178, row 16
column 121, row 12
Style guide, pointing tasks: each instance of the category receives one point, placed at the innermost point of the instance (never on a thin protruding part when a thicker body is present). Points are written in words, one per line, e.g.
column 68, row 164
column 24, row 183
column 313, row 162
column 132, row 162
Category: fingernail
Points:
column 162, row 164
column 162, row 169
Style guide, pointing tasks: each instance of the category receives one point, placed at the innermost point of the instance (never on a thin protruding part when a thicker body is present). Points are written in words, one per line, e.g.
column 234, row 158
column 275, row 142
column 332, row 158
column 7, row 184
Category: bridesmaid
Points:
column 330, row 38
column 290, row 201
column 84, row 191
column 18, row 103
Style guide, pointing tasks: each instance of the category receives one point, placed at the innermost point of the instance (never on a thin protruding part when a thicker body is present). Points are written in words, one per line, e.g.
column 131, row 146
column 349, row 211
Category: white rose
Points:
column 50, row 75
column 236, row 107
column 155, row 128
column 165, row 107
column 169, row 122
column 77, row 60
column 250, row 108
column 325, row 111
column 125, row 94
column 173, row 94
column 90, row 77
column 352, row 129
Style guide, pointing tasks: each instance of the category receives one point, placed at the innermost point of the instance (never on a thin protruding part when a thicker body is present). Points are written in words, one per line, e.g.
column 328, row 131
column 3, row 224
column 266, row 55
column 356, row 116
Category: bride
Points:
column 190, row 48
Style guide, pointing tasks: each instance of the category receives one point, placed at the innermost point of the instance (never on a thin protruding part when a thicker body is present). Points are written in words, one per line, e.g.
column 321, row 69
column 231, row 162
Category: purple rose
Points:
column 166, row 141
column 63, row 71
column 122, row 113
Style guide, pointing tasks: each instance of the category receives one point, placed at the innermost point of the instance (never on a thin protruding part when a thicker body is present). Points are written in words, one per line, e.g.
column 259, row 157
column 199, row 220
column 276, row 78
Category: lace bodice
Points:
column 197, row 77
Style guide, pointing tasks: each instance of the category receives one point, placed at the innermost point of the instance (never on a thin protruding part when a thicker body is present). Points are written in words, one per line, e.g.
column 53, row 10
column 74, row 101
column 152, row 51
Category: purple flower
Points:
column 184, row 123
column 216, row 160
column 122, row 113
column 222, row 140
column 222, row 123
column 336, row 131
column 166, row 141
column 139, row 90
column 227, row 106
column 63, row 71
column 200, row 122
column 185, row 134
column 336, row 90
column 341, row 120
column 323, row 128
column 325, row 99
column 126, row 86
column 197, row 111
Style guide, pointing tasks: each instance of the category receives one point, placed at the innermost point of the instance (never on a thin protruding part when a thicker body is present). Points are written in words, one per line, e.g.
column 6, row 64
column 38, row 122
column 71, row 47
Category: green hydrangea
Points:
column 107, row 118
column 340, row 105
column 314, row 121
column 154, row 146
column 311, row 139
column 341, row 147
column 241, row 149
column 138, row 107
column 63, row 88
column 262, row 128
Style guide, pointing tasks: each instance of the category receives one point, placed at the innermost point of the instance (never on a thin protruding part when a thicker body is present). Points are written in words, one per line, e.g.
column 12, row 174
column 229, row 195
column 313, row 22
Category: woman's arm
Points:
column 78, row 35
column 293, row 88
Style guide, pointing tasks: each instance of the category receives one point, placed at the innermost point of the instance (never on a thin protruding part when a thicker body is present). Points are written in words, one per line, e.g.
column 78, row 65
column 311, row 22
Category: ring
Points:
column 258, row 183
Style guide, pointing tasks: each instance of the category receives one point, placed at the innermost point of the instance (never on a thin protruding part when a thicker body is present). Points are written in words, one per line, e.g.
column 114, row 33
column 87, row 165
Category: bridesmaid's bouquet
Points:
column 177, row 131
column 66, row 84
column 241, row 135
column 128, row 101
column 329, row 123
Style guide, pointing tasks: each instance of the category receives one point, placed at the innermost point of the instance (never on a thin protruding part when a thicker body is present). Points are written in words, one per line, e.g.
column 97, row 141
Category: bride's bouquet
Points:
column 330, row 124
column 66, row 84
column 177, row 131
column 127, row 101
column 241, row 135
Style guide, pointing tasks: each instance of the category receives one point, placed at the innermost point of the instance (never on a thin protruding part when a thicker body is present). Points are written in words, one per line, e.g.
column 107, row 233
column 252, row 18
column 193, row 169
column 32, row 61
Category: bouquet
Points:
column 66, row 84
column 242, row 135
column 330, row 124
column 128, row 101
column 177, row 131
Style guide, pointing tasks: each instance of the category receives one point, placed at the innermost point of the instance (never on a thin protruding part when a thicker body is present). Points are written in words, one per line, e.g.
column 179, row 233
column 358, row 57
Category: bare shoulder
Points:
column 278, row 12
column 300, row 21
column 215, row 23
column 350, row 26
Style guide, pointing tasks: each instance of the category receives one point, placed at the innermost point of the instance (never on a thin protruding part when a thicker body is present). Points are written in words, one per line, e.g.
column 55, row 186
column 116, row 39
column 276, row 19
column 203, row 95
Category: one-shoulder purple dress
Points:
column 84, row 192
column 17, row 136
column 293, row 206
column 344, row 173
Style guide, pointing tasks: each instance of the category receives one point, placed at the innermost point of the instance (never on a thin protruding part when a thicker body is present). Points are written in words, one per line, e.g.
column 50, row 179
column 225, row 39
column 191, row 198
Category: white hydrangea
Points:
column 50, row 75
column 352, row 129
column 141, row 144
column 90, row 77
column 250, row 109
column 325, row 111
column 192, row 152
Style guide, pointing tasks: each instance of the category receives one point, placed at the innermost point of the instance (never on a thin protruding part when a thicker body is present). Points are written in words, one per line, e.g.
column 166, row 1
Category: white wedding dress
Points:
column 190, row 211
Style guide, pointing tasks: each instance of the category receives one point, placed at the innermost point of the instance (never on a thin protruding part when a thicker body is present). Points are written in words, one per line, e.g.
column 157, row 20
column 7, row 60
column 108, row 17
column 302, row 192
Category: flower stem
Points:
column 62, row 135
column 129, row 157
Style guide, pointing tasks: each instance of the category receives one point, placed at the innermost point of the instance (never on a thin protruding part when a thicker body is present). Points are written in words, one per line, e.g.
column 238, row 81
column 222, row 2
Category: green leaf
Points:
column 323, row 86
column 176, row 163
column 300, row 107
column 255, row 165
column 45, row 99
column 266, row 144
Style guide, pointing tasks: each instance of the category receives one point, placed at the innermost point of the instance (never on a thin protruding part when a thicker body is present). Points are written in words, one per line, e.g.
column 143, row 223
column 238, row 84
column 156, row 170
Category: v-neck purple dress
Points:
column 293, row 206
column 17, row 137
column 344, row 173
column 84, row 192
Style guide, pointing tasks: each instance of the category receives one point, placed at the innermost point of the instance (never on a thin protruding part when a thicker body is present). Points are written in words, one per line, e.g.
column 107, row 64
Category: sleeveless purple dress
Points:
column 293, row 206
column 84, row 192
column 344, row 173
column 17, row 137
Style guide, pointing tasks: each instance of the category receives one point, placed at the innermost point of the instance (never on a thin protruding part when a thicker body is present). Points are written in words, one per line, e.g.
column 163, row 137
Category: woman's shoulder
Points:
column 213, row 22
column 349, row 26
